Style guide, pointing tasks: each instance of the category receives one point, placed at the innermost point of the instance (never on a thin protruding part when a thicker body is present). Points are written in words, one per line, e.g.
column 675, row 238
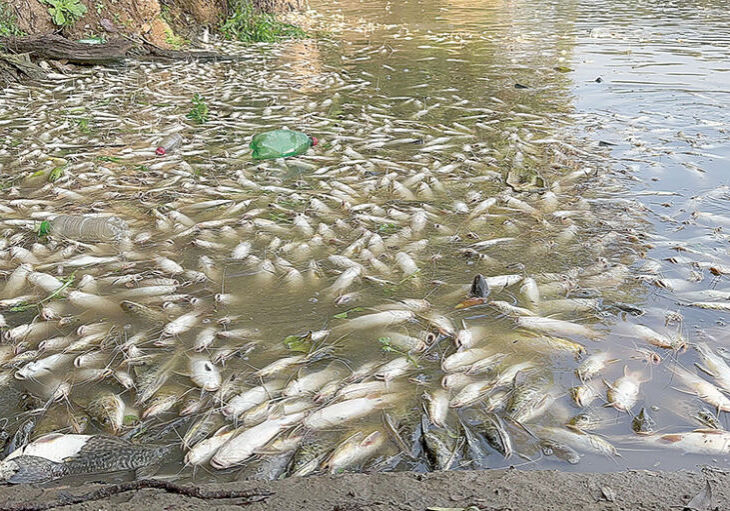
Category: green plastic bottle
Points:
column 280, row 144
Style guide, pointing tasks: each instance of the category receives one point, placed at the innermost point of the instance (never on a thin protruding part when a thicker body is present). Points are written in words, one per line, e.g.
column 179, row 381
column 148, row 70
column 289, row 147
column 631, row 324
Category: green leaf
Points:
column 21, row 307
column 300, row 343
column 562, row 69
column 387, row 347
column 77, row 9
column 388, row 228
column 343, row 315
column 55, row 174
column 109, row 159
column 44, row 229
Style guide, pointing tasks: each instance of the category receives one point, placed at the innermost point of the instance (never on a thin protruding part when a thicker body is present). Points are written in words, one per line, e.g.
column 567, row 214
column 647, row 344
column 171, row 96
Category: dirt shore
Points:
column 487, row 490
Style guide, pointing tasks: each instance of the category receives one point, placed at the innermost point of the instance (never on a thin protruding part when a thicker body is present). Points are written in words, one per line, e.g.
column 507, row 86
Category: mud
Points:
column 509, row 489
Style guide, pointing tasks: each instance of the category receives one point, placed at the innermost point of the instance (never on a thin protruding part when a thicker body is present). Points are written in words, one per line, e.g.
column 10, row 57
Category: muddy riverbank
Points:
column 493, row 490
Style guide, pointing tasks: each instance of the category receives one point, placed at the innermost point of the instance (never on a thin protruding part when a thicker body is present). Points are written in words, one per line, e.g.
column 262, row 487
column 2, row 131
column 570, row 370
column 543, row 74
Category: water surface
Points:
column 424, row 110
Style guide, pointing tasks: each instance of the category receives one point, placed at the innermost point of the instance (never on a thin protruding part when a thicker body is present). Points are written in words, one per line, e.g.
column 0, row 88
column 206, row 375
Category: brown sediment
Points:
column 508, row 489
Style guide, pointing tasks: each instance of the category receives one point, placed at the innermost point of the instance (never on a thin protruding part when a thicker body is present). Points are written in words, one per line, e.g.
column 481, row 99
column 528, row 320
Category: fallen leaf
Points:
column 470, row 302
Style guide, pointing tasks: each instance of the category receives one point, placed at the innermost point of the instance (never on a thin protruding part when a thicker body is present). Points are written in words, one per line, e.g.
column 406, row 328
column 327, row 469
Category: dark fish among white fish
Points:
column 57, row 455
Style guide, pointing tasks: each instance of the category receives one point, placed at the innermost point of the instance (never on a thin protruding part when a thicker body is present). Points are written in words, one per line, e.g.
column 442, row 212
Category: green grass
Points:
column 8, row 22
column 247, row 25
column 175, row 41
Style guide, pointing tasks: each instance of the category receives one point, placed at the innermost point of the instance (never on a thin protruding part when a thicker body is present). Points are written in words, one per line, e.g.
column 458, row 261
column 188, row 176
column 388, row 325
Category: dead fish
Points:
column 710, row 442
column 57, row 455
column 623, row 393
column 578, row 440
column 703, row 389
column 204, row 374
column 556, row 327
column 441, row 448
column 246, row 442
column 593, row 365
column 108, row 409
column 339, row 413
column 354, row 450
column 643, row 424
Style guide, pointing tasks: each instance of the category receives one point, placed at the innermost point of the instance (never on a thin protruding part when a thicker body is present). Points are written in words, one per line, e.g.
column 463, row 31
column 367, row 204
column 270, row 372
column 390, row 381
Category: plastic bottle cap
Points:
column 160, row 151
column 314, row 141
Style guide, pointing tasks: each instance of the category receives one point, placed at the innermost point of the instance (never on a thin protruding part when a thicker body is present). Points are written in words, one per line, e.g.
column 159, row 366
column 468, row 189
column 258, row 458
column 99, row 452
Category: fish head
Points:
column 8, row 469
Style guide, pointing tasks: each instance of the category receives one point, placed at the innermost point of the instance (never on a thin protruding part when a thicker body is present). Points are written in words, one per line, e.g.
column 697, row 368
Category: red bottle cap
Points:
column 160, row 151
column 314, row 141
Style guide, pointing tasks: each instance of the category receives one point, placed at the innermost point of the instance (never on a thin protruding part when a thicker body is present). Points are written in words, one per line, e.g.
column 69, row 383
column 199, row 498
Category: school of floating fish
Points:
column 438, row 285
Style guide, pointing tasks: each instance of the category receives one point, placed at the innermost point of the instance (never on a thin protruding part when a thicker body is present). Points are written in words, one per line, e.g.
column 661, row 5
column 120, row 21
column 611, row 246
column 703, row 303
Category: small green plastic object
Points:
column 281, row 144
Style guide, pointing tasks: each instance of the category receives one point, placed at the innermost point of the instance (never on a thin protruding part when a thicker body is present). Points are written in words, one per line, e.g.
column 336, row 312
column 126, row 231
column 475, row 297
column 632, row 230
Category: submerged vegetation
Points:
column 199, row 112
column 246, row 24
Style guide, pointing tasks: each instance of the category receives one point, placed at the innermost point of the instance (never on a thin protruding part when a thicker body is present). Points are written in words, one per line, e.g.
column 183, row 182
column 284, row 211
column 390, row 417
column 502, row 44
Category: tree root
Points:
column 56, row 47
column 248, row 496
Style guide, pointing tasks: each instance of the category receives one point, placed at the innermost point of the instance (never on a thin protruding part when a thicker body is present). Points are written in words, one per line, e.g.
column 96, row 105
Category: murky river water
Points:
column 574, row 157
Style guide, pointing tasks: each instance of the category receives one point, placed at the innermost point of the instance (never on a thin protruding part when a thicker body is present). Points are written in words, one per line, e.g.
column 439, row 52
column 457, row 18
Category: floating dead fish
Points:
column 56, row 455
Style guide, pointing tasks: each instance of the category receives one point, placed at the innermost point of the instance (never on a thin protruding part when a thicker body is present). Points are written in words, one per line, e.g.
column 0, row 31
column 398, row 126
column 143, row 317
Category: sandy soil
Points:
column 487, row 490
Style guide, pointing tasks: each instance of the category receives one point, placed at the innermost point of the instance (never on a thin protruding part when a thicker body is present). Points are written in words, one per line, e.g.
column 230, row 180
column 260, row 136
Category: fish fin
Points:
column 370, row 439
column 709, row 431
column 147, row 472
column 223, row 430
column 671, row 438
column 48, row 438
column 523, row 427
column 527, row 458
column 705, row 370
column 626, row 371
column 683, row 391
column 608, row 385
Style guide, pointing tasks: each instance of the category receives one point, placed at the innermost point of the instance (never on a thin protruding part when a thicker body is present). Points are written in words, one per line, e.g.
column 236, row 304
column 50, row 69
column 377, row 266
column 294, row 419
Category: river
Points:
column 570, row 152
